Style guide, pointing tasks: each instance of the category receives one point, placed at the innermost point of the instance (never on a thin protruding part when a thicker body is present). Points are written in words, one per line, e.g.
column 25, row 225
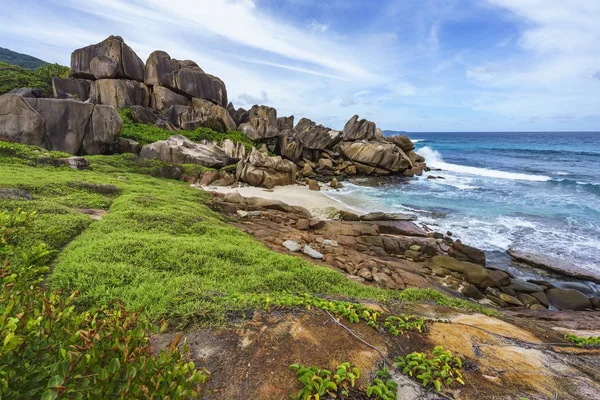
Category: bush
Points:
column 50, row 349
column 14, row 77
column 441, row 369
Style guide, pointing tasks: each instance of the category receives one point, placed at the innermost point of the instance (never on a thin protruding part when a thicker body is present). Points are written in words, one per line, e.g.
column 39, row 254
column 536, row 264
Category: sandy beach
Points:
column 296, row 195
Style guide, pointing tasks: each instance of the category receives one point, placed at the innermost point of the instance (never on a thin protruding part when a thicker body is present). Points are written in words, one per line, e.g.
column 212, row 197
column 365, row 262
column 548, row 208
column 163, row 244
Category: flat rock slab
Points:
column 292, row 245
column 553, row 265
column 309, row 251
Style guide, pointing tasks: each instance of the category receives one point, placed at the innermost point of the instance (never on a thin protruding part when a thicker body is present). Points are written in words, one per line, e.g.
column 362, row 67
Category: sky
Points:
column 407, row 65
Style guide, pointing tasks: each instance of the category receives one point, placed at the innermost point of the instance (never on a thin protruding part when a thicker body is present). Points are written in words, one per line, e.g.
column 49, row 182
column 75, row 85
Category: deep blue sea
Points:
column 537, row 192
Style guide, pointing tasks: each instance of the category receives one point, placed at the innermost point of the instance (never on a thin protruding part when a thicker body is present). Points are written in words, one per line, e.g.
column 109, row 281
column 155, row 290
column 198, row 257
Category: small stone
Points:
column 538, row 307
column 595, row 302
column 541, row 297
column 75, row 162
column 497, row 301
column 14, row 194
column 414, row 247
column 121, row 178
column 332, row 243
column 241, row 213
column 525, row 287
column 511, row 300
column 365, row 274
column 292, row 245
column 415, row 255
column 309, row 251
column 316, row 224
column 448, row 233
column 303, row 224
column 527, row 299
column 472, row 292
column 314, row 185
column 348, row 216
column 508, row 290
column 501, row 277
column 335, row 184
column 438, row 235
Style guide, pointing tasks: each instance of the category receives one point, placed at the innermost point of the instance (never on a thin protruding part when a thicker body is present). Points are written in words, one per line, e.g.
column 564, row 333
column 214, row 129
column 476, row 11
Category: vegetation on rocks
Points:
column 439, row 369
column 14, row 77
column 319, row 382
column 588, row 342
column 145, row 134
column 383, row 386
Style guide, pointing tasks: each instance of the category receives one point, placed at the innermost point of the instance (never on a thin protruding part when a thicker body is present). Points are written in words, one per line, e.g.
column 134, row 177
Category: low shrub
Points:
column 383, row 386
column 441, row 369
column 588, row 342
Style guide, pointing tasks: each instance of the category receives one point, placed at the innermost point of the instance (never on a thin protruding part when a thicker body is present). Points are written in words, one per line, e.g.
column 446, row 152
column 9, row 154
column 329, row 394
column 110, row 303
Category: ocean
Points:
column 533, row 191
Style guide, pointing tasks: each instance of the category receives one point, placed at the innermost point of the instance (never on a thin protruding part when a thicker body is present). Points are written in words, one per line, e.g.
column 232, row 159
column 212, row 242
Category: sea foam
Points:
column 434, row 160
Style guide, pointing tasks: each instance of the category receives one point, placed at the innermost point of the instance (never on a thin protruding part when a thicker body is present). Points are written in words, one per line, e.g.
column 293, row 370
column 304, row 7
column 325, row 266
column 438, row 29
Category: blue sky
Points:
column 414, row 65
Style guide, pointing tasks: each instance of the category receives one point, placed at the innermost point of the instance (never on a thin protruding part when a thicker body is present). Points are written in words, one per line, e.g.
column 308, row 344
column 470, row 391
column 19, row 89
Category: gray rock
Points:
column 381, row 216
column 315, row 137
column 263, row 120
column 356, row 129
column 178, row 149
column 78, row 88
column 403, row 142
column 332, row 243
column 66, row 122
column 405, row 228
column 14, row 194
column 103, row 130
column 527, row 299
column 472, row 292
column 202, row 114
column 292, row 245
column 210, row 110
column 103, row 67
column 501, row 277
column 525, row 287
column 119, row 93
column 378, row 154
column 467, row 253
column 284, row 123
column 309, row 251
column 129, row 65
column 33, row 93
column 289, row 146
column 568, row 299
column 195, row 83
column 475, row 274
column 20, row 122
column 122, row 146
column 553, row 265
column 258, row 169
column 586, row 288
column 143, row 115
column 541, row 298
column 162, row 98
column 78, row 163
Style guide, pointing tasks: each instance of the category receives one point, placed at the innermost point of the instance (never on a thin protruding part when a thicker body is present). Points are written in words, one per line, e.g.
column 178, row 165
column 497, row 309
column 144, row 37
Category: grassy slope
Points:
column 159, row 247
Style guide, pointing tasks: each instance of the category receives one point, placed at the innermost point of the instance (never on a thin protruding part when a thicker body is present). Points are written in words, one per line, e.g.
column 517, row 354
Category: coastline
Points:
column 316, row 202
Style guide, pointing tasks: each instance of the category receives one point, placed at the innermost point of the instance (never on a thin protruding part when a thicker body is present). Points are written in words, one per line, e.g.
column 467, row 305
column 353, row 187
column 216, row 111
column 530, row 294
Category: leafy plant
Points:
column 441, row 369
column 397, row 325
column 317, row 382
column 383, row 386
column 345, row 377
column 588, row 342
column 50, row 350
column 14, row 77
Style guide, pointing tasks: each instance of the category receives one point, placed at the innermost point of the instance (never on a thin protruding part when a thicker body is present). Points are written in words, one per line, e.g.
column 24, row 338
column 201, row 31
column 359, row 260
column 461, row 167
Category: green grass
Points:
column 144, row 134
column 160, row 247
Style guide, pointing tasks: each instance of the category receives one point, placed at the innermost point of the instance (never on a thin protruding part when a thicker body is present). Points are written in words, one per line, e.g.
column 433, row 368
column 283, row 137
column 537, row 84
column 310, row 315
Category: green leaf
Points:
column 49, row 394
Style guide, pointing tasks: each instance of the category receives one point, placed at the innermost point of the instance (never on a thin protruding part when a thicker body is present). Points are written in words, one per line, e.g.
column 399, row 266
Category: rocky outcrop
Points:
column 356, row 129
column 259, row 169
column 103, row 130
column 19, row 122
column 76, row 88
column 557, row 266
column 467, row 253
column 284, row 123
column 125, row 63
column 262, row 123
column 143, row 115
column 178, row 149
column 403, row 142
column 378, row 154
column 289, row 146
column 162, row 98
column 119, row 93
column 568, row 299
column 315, row 137
column 240, row 116
column 202, row 114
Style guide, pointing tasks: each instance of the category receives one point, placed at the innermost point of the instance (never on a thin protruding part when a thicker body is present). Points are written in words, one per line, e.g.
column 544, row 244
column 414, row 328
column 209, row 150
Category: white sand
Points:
column 294, row 195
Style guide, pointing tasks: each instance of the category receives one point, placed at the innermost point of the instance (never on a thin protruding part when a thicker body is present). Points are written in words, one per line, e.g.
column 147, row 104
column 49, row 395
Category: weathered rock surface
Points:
column 143, row 115
column 258, row 169
column 379, row 154
column 19, row 122
column 263, row 120
column 467, row 253
column 103, row 129
column 356, row 129
column 553, row 265
column 162, row 98
column 210, row 110
column 103, row 67
column 34, row 93
column 78, row 88
column 475, row 274
column 128, row 64
column 315, row 137
column 568, row 299
column 119, row 93
column 284, row 123
column 202, row 114
column 178, row 149
column 403, row 142
column 289, row 146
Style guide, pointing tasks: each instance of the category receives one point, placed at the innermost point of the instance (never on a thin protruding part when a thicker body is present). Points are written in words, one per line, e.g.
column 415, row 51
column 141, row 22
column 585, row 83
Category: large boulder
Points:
column 162, row 98
column 289, row 146
column 19, row 122
column 78, row 88
column 103, row 130
column 202, row 114
column 378, row 154
column 128, row 64
column 263, row 123
column 356, row 129
column 216, row 111
column 143, row 115
column 403, row 142
column 475, row 274
column 568, row 299
column 258, row 169
column 34, row 93
column 240, row 116
column 235, row 151
column 467, row 253
column 284, row 123
column 315, row 137
column 178, row 149
column 119, row 93
column 66, row 122
column 103, row 67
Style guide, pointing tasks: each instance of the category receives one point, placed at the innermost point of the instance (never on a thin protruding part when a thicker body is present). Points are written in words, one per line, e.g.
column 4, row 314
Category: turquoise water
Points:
column 536, row 192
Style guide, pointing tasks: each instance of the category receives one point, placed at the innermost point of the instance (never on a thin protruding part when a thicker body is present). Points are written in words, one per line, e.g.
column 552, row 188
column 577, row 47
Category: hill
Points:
column 21, row 60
